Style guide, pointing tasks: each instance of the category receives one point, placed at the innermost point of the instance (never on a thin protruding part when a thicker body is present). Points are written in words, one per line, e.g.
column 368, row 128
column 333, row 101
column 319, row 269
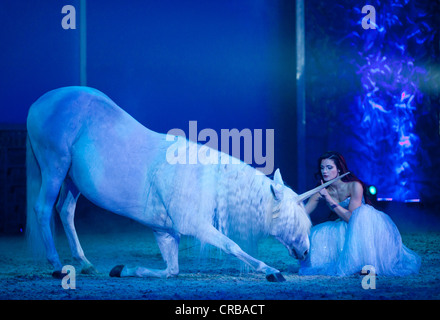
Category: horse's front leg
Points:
column 216, row 238
column 169, row 247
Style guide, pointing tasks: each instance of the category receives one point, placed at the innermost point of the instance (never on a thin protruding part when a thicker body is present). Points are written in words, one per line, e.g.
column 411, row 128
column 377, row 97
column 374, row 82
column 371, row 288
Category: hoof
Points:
column 57, row 274
column 89, row 270
column 116, row 271
column 275, row 277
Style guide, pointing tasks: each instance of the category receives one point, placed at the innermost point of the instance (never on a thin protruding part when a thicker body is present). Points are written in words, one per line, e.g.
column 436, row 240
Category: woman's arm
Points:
column 343, row 213
column 312, row 203
column 356, row 193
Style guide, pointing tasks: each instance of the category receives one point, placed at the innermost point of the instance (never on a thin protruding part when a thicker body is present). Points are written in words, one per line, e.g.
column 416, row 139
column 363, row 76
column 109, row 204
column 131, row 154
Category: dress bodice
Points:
column 344, row 204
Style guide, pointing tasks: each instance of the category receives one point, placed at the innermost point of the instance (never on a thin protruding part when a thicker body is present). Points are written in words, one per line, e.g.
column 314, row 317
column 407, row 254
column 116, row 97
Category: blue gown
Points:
column 370, row 238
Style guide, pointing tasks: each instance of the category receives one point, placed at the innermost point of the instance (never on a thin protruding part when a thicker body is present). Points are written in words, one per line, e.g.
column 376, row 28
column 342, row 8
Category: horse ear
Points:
column 277, row 177
column 277, row 191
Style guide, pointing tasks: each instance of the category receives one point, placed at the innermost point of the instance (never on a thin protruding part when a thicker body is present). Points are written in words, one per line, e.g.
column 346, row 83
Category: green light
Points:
column 372, row 190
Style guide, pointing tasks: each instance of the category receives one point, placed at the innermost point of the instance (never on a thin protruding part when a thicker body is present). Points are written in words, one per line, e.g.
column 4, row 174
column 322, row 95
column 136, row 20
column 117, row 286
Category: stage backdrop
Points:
column 372, row 94
column 36, row 54
column 374, row 91
column 225, row 64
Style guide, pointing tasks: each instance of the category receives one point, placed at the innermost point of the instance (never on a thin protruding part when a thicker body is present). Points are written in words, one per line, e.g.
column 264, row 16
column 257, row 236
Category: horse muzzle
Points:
column 298, row 256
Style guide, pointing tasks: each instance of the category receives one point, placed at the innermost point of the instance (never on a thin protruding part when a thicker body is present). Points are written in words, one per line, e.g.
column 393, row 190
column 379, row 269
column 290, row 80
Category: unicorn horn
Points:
column 310, row 193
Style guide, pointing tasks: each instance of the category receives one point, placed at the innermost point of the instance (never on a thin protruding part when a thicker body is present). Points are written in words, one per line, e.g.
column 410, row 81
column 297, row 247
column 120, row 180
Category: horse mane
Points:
column 243, row 201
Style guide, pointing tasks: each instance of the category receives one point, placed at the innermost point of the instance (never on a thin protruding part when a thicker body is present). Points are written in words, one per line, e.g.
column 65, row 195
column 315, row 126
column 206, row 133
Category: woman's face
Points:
column 329, row 170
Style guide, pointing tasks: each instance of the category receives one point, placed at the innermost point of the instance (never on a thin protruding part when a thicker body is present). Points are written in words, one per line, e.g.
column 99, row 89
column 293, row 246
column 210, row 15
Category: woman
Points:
column 362, row 236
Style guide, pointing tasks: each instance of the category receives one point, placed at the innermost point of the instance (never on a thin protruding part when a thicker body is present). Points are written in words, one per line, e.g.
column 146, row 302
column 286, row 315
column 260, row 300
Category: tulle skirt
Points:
column 370, row 238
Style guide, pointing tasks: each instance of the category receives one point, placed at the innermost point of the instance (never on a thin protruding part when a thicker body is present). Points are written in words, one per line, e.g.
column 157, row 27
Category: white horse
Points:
column 80, row 141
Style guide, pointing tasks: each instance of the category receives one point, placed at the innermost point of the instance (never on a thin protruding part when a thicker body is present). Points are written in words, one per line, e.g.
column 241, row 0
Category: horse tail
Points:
column 33, row 185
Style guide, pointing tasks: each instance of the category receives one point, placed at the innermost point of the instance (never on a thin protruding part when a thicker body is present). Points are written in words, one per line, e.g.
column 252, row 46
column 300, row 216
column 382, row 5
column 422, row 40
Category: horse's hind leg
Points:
column 169, row 247
column 66, row 207
column 52, row 179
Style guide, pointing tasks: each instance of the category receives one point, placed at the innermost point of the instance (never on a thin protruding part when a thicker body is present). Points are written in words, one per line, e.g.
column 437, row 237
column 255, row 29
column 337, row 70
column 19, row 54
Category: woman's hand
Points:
column 324, row 193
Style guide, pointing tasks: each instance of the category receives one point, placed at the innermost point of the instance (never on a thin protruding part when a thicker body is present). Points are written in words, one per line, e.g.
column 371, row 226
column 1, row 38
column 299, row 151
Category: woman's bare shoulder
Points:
column 355, row 187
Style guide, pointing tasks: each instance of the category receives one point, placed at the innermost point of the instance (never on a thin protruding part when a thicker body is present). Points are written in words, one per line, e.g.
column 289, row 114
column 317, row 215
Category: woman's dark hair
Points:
column 341, row 165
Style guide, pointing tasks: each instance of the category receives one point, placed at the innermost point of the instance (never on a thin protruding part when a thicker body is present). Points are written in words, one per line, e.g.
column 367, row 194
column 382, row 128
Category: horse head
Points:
column 290, row 222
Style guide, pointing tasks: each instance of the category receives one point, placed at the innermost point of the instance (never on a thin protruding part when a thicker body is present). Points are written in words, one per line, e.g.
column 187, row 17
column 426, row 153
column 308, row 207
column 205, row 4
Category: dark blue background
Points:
column 231, row 64
column 226, row 64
